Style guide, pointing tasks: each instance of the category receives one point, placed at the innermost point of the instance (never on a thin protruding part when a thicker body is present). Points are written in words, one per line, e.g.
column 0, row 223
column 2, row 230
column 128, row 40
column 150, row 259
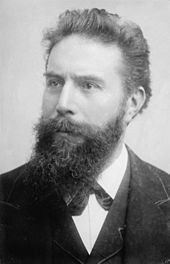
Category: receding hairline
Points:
column 92, row 39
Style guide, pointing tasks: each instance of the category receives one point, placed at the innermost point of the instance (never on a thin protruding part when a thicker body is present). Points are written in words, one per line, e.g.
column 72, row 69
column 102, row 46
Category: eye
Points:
column 89, row 85
column 54, row 83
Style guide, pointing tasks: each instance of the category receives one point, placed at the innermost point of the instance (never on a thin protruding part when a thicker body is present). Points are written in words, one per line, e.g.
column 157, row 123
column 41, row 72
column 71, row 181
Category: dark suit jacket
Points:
column 136, row 229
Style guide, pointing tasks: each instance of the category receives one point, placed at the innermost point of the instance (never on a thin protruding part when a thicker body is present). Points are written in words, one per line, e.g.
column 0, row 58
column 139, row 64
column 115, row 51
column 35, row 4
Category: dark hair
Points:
column 108, row 28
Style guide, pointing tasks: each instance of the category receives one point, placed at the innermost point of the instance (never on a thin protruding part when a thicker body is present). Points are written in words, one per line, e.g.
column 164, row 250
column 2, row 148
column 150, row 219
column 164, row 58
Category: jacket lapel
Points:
column 147, row 233
column 50, row 214
column 65, row 237
column 65, row 234
column 111, row 237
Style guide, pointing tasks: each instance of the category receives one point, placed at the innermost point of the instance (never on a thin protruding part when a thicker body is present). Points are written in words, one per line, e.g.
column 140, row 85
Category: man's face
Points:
column 84, row 81
column 83, row 114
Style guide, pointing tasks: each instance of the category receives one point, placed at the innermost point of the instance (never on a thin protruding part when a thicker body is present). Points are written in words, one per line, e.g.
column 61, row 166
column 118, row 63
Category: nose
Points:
column 65, row 104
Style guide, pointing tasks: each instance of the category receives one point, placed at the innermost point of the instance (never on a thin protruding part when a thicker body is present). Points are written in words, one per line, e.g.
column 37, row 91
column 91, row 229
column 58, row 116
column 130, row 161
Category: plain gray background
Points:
column 22, row 66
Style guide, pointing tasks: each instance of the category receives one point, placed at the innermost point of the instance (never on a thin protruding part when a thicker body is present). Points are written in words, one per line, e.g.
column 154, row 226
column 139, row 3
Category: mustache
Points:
column 64, row 125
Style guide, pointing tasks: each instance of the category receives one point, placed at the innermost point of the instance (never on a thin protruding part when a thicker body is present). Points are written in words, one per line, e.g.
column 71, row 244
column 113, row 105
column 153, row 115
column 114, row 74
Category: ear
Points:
column 134, row 104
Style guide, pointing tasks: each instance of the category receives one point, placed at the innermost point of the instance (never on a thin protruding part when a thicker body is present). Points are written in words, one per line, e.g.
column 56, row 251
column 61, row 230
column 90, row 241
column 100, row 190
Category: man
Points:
column 85, row 197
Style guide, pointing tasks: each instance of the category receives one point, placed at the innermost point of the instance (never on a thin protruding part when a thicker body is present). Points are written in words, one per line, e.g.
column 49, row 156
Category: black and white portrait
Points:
column 85, row 129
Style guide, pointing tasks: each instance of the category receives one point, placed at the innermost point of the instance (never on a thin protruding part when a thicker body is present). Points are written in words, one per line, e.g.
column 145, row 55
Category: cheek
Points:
column 48, row 105
column 103, row 108
column 99, row 112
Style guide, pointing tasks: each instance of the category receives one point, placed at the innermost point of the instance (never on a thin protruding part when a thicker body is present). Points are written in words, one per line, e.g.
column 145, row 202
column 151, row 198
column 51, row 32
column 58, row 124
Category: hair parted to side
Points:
column 108, row 28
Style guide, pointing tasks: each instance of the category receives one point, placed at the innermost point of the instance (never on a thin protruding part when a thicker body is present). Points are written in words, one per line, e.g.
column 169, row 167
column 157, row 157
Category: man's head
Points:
column 110, row 29
column 97, row 80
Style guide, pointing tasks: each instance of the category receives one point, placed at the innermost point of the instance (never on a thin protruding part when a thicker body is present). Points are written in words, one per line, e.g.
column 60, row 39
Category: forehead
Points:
column 83, row 55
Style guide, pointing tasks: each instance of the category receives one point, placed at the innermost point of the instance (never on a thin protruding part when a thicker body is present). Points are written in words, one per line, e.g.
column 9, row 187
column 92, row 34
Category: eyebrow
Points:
column 89, row 78
column 77, row 78
column 52, row 74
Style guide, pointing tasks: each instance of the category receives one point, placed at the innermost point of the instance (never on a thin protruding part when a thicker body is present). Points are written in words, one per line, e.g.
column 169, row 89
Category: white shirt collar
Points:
column 111, row 178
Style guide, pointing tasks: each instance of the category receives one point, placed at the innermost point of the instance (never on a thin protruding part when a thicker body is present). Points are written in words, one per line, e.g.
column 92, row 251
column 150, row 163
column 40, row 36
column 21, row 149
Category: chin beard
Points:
column 71, row 155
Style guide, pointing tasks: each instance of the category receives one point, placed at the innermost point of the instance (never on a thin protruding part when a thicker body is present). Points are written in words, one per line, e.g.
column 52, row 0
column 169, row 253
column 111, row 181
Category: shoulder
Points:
column 148, row 173
column 7, row 181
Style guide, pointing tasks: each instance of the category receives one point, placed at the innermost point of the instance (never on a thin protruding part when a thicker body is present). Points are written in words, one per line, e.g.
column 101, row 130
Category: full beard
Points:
column 71, row 155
